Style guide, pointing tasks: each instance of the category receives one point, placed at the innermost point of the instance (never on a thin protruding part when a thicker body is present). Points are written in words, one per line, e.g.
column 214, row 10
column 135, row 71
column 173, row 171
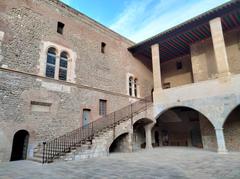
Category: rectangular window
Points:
column 102, row 107
column 60, row 27
column 179, row 65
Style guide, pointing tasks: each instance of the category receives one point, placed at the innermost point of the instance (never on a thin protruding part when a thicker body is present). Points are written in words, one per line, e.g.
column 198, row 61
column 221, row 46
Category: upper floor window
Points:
column 63, row 66
column 135, row 87
column 102, row 107
column 179, row 65
column 130, row 85
column 60, row 27
column 51, row 62
column 103, row 46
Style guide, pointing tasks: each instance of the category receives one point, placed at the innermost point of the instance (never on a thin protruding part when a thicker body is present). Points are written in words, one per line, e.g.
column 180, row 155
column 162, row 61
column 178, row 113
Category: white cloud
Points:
column 142, row 19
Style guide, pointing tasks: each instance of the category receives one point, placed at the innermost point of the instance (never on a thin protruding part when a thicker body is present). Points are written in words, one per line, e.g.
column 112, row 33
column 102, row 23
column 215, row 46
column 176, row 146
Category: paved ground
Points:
column 157, row 163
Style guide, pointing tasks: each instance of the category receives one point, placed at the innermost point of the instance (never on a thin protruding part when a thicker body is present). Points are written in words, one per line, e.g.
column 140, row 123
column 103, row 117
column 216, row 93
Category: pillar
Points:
column 219, row 47
column 156, row 67
column 220, row 141
column 148, row 133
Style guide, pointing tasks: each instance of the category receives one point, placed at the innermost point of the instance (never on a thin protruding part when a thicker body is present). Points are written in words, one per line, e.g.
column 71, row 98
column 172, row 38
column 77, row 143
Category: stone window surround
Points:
column 45, row 45
column 127, row 85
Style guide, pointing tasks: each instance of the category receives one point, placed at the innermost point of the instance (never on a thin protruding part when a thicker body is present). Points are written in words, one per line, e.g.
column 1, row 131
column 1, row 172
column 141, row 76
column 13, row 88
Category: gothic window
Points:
column 130, row 85
column 63, row 66
column 135, row 87
column 51, row 62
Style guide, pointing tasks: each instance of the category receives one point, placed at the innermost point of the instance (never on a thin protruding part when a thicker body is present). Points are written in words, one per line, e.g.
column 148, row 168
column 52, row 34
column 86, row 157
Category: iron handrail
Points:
column 55, row 148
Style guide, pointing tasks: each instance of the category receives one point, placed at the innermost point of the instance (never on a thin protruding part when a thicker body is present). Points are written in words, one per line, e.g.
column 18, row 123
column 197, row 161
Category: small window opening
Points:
column 60, row 27
column 179, row 65
column 103, row 46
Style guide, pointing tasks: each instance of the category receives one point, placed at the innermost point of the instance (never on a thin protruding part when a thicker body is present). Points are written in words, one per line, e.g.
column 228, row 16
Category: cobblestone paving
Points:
column 168, row 162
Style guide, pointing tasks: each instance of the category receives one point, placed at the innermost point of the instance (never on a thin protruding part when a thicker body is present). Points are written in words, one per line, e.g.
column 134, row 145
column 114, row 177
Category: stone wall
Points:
column 47, row 108
column 203, row 58
column 208, row 134
column 177, row 77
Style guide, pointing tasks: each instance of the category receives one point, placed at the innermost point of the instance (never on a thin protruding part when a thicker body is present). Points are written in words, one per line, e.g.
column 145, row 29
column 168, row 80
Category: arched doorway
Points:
column 231, row 129
column 139, row 135
column 184, row 126
column 20, row 145
column 120, row 144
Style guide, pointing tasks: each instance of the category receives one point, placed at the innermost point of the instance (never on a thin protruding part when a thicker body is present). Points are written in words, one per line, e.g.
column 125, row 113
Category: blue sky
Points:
column 141, row 19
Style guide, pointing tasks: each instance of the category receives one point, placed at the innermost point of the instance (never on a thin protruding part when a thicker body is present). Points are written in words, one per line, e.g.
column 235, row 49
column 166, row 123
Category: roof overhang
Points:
column 176, row 41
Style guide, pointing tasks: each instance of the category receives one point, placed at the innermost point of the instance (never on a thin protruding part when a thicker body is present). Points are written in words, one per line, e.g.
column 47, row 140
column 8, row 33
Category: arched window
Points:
column 51, row 62
column 135, row 87
column 130, row 85
column 63, row 66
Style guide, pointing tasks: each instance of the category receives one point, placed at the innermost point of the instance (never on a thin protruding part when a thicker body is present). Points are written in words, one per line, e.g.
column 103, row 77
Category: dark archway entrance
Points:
column 20, row 145
column 183, row 126
column 231, row 129
column 120, row 144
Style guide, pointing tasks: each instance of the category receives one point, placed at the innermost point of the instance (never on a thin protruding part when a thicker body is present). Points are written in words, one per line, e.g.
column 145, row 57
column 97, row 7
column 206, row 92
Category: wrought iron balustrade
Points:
column 57, row 147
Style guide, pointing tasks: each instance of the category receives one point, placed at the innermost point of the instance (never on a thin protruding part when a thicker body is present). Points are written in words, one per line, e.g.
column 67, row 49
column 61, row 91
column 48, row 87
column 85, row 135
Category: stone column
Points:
column 148, row 133
column 156, row 67
column 219, row 47
column 220, row 141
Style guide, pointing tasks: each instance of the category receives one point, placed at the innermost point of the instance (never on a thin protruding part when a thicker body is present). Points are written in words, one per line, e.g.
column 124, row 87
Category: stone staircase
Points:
column 92, row 140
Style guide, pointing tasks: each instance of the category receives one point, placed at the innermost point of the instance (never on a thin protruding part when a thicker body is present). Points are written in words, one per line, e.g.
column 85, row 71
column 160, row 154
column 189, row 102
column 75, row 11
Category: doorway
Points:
column 86, row 117
column 20, row 145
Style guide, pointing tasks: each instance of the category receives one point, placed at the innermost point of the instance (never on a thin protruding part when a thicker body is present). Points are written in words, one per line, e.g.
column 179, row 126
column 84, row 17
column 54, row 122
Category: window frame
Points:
column 54, row 55
column 64, row 58
column 102, row 107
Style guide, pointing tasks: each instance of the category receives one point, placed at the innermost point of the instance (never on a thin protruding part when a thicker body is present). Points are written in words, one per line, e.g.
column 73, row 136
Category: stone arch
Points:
column 195, row 128
column 231, row 129
column 139, row 134
column 20, row 145
column 120, row 143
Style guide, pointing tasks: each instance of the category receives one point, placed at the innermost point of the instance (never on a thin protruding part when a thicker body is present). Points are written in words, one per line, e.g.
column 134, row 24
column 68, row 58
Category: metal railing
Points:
column 57, row 147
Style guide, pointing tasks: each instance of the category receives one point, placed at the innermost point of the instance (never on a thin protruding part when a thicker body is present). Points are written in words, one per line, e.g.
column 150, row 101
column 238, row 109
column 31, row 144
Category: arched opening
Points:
column 139, row 135
column 231, row 129
column 120, row 144
column 63, row 66
column 20, row 145
column 184, row 126
column 51, row 63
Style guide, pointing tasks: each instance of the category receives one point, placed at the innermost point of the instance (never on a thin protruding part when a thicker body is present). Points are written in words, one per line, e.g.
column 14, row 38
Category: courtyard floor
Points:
column 167, row 162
